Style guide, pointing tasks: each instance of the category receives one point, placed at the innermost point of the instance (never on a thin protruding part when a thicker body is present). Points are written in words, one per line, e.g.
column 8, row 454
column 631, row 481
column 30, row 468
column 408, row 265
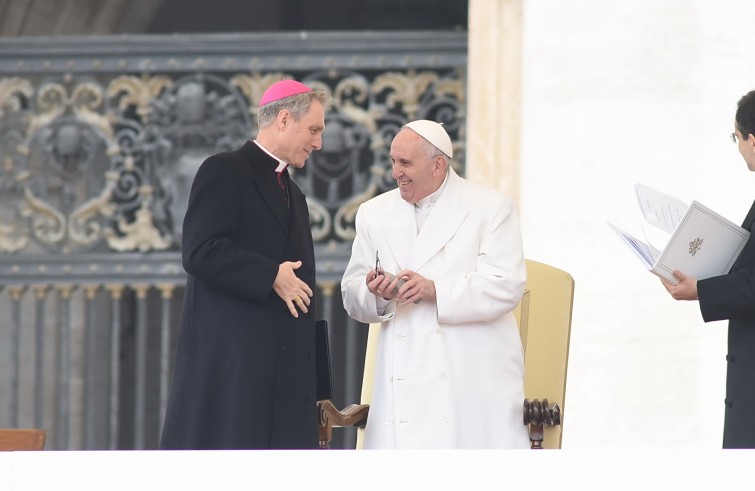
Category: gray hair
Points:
column 430, row 151
column 297, row 105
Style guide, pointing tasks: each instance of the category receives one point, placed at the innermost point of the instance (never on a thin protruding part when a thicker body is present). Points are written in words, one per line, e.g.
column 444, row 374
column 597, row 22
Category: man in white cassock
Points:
column 449, row 370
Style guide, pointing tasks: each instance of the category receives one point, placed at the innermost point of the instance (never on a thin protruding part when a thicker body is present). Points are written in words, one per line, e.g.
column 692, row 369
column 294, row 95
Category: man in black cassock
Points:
column 244, row 374
column 732, row 296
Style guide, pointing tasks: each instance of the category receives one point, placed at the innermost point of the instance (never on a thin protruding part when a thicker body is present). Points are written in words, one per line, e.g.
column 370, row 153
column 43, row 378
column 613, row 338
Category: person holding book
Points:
column 732, row 296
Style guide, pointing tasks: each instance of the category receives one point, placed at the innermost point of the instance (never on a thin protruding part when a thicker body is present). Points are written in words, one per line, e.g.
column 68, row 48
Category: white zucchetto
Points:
column 434, row 133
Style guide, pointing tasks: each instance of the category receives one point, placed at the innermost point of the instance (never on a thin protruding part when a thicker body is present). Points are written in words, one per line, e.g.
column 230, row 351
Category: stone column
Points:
column 494, row 91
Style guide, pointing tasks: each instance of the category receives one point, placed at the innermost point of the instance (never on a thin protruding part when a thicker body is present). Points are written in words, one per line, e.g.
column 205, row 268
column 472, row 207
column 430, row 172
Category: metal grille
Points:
column 99, row 142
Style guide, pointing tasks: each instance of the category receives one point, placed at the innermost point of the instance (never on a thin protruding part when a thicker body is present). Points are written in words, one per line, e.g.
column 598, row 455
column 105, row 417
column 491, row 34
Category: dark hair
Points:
column 745, row 117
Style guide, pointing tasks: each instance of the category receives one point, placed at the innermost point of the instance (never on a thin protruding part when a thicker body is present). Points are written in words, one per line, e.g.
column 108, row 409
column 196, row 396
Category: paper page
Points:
column 643, row 251
column 659, row 209
column 655, row 238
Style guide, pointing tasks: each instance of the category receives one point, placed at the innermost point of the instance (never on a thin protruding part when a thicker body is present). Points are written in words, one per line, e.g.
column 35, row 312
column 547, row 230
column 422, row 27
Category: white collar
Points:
column 281, row 164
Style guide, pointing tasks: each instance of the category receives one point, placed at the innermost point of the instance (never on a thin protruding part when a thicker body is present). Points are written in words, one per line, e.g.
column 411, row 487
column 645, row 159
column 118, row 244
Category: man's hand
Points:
column 380, row 284
column 291, row 289
column 685, row 290
column 415, row 288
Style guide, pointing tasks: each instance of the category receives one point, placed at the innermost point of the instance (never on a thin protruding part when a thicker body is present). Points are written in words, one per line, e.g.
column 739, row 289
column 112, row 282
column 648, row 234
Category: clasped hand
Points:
column 406, row 287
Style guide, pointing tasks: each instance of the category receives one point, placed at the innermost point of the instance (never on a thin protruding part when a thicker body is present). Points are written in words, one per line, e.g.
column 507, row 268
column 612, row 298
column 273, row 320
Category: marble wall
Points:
column 613, row 93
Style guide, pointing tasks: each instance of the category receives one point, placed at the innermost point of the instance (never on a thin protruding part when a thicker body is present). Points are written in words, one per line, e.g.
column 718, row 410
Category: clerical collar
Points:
column 429, row 200
column 281, row 164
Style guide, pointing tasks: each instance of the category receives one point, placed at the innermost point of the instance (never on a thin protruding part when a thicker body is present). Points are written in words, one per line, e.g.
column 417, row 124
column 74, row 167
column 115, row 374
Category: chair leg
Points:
column 324, row 426
column 537, row 415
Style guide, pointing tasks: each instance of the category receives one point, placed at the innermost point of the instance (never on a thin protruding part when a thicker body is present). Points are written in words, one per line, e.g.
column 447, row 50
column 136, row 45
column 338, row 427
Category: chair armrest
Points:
column 330, row 417
column 537, row 415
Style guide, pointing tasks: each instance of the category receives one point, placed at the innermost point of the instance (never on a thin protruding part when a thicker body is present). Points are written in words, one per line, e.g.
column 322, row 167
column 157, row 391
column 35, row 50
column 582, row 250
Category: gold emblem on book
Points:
column 694, row 246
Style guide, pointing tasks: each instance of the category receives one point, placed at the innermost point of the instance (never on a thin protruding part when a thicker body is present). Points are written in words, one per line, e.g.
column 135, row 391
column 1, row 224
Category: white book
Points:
column 701, row 244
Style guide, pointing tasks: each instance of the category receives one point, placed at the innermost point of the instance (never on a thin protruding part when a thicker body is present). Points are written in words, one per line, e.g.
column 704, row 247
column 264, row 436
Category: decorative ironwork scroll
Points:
column 98, row 149
column 100, row 139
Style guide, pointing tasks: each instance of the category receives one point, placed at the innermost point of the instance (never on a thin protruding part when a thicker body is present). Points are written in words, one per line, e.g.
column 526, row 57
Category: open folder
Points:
column 699, row 242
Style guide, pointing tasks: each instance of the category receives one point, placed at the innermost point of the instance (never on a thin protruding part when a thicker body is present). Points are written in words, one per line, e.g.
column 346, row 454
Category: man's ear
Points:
column 284, row 117
column 750, row 142
column 440, row 164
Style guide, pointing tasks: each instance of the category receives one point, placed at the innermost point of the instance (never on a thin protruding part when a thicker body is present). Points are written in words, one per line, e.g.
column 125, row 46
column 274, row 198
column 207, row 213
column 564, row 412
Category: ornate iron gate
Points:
column 99, row 142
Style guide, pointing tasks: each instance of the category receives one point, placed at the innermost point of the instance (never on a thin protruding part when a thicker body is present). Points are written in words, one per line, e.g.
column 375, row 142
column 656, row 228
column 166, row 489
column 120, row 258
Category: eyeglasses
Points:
column 733, row 137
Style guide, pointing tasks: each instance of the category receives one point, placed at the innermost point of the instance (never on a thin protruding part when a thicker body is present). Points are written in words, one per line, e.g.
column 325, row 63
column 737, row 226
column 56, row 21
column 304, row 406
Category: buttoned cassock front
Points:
column 448, row 374
column 732, row 296
column 244, row 375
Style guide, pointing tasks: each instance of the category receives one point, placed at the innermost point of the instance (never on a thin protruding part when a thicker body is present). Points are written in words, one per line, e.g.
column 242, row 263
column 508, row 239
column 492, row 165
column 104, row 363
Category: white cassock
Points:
column 448, row 374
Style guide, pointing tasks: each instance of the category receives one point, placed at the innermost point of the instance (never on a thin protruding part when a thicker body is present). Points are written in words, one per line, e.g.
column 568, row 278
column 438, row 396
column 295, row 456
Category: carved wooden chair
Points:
column 544, row 317
column 22, row 439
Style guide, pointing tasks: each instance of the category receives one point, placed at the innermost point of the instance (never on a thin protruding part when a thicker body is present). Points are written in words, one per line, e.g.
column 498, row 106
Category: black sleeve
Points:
column 210, row 248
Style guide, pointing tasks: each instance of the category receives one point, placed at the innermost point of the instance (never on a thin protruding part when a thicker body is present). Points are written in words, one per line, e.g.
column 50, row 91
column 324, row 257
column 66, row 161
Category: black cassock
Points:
column 732, row 296
column 244, row 373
